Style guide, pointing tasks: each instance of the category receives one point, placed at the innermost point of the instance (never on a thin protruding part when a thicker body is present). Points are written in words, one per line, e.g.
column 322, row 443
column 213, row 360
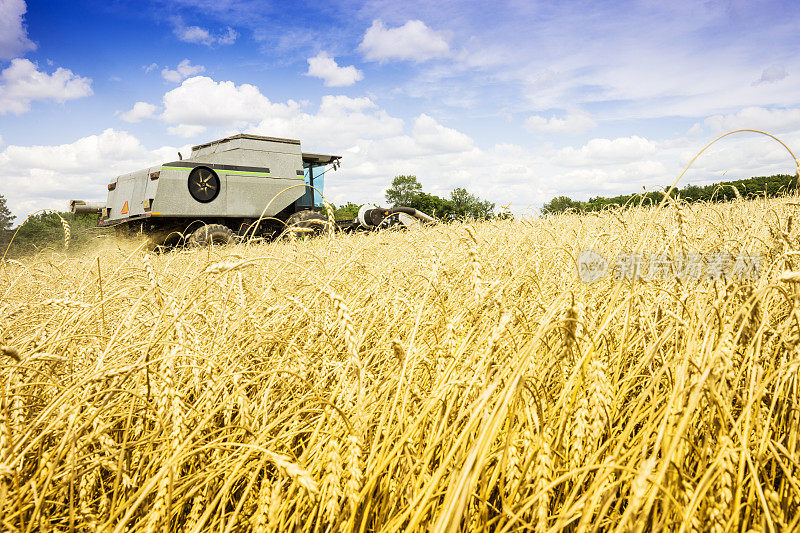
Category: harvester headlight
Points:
column 112, row 186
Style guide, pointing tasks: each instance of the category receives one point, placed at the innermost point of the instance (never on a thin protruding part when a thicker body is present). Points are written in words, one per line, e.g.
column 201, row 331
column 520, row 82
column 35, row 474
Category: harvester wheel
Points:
column 307, row 222
column 211, row 234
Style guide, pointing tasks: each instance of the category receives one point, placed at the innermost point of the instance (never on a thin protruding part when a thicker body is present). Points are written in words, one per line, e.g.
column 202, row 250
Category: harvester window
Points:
column 314, row 176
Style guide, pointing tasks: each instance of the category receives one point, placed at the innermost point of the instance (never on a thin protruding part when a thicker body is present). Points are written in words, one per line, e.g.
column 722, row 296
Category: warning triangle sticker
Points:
column 125, row 209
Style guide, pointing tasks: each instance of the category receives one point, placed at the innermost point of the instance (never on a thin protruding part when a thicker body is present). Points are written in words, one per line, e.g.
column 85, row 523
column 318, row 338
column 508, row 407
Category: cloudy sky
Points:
column 516, row 100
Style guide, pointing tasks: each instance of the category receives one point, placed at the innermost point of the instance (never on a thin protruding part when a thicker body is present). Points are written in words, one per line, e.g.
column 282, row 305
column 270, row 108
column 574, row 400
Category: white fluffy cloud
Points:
column 324, row 66
column 740, row 156
column 22, row 83
column 186, row 130
column 758, row 118
column 13, row 35
column 193, row 34
column 202, row 102
column 771, row 74
column 198, row 35
column 427, row 141
column 140, row 111
column 571, row 123
column 228, row 37
column 607, row 151
column 413, row 41
column 182, row 71
column 339, row 121
column 36, row 177
column 440, row 139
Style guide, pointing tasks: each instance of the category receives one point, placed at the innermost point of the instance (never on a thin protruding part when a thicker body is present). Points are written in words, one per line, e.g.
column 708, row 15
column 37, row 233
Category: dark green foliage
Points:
column 769, row 186
column 6, row 218
column 403, row 190
column 407, row 191
column 44, row 231
column 348, row 211
column 431, row 204
column 560, row 204
column 468, row 205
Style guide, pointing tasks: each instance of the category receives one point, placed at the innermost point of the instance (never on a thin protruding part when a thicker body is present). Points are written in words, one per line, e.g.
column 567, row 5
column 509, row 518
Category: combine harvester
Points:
column 238, row 187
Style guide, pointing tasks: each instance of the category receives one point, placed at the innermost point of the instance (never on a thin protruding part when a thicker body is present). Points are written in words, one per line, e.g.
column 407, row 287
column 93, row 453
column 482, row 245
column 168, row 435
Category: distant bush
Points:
column 769, row 186
column 44, row 230
column 348, row 211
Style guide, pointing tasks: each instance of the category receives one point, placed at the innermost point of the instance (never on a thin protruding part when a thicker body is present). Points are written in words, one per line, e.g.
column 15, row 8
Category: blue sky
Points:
column 517, row 101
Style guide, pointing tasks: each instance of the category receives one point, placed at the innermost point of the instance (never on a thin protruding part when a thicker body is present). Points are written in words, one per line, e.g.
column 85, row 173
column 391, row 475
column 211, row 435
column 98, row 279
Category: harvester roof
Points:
column 314, row 159
column 320, row 159
column 245, row 136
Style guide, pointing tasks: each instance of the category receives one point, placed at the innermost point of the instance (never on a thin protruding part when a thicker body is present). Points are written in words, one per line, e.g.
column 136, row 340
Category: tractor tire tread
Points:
column 211, row 234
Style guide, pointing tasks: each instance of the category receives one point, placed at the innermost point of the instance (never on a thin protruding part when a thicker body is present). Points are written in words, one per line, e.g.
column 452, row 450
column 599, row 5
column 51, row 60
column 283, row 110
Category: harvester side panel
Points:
column 240, row 196
column 253, row 194
column 174, row 200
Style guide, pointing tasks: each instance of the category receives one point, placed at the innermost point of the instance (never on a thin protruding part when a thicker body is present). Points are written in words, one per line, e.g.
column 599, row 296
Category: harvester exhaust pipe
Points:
column 90, row 208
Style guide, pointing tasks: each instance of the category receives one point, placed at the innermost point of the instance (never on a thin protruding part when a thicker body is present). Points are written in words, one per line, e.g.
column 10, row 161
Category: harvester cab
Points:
column 236, row 186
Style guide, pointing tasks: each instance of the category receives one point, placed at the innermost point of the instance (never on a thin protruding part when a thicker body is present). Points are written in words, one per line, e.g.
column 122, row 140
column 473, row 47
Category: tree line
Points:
column 44, row 230
column 406, row 191
column 761, row 186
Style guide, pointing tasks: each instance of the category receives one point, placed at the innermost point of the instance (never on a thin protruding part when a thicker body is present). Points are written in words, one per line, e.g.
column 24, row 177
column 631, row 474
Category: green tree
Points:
column 560, row 204
column 6, row 218
column 432, row 205
column 468, row 205
column 403, row 190
column 407, row 191
column 347, row 211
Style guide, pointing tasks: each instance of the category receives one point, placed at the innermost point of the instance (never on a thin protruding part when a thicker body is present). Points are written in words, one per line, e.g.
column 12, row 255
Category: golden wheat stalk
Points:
column 65, row 226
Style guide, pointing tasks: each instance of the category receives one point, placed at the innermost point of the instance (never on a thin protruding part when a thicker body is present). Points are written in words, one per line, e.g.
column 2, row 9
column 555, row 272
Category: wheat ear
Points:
column 67, row 233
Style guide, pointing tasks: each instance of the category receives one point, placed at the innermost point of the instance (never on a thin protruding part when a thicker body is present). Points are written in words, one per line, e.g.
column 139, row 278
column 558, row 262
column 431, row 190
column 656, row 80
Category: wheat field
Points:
column 450, row 378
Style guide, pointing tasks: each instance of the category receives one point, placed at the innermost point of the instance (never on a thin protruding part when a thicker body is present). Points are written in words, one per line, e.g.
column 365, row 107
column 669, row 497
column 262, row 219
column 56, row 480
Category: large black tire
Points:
column 313, row 222
column 211, row 234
